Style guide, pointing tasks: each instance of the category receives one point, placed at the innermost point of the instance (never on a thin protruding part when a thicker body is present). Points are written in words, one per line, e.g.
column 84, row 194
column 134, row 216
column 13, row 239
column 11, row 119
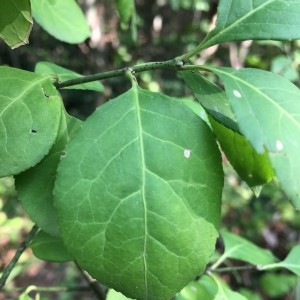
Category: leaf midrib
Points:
column 143, row 179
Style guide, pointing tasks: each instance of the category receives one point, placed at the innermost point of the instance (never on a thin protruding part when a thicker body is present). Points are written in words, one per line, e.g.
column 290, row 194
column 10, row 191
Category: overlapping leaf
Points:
column 63, row 74
column 139, row 188
column 15, row 22
column 255, row 20
column 254, row 168
column 35, row 186
column 47, row 247
column 62, row 19
column 239, row 248
column 267, row 107
column 30, row 112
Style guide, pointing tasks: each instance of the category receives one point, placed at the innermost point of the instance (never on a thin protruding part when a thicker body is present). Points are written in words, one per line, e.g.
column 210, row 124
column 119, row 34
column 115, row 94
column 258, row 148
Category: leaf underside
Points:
column 15, row 22
column 140, row 189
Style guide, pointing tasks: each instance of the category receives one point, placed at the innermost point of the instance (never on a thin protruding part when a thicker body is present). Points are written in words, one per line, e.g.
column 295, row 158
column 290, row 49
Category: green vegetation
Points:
column 131, row 192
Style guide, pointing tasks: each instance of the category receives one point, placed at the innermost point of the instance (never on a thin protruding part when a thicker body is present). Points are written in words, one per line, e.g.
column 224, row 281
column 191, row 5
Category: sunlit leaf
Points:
column 35, row 186
column 30, row 112
column 49, row 248
column 291, row 262
column 239, row 248
column 65, row 74
column 62, row 19
column 113, row 295
column 255, row 20
column 15, row 22
column 224, row 292
column 140, row 188
column 267, row 107
column 252, row 167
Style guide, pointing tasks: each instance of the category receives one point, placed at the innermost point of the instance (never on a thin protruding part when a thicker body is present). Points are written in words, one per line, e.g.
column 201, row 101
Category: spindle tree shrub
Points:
column 133, row 194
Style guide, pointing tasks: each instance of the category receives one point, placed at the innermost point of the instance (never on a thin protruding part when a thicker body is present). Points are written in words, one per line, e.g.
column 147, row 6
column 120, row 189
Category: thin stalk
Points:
column 231, row 269
column 172, row 64
column 19, row 252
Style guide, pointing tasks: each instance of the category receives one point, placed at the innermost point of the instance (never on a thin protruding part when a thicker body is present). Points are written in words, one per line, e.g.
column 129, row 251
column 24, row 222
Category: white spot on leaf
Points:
column 237, row 94
column 279, row 145
column 187, row 153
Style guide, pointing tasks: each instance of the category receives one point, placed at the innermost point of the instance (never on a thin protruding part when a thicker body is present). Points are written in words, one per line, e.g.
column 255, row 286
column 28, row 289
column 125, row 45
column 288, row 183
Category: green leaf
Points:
column 35, row 186
column 267, row 108
column 49, row 248
column 239, row 248
column 65, row 74
column 194, row 291
column 291, row 262
column 253, row 168
column 126, row 9
column 62, row 19
column 255, row 20
column 224, row 292
column 140, row 188
column 277, row 285
column 113, row 295
column 15, row 22
column 30, row 112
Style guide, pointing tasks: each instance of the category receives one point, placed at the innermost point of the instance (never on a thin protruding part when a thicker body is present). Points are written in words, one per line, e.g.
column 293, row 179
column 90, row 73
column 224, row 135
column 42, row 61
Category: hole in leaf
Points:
column 33, row 131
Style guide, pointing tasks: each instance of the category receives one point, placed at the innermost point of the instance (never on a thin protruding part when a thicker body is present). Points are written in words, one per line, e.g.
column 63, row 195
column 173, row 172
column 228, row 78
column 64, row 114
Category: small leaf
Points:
column 255, row 20
column 65, row 74
column 126, row 8
column 35, row 186
column 291, row 262
column 253, row 168
column 277, row 285
column 113, row 295
column 194, row 291
column 140, row 187
column 49, row 248
column 62, row 19
column 239, row 248
column 267, row 108
column 15, row 22
column 30, row 112
column 224, row 292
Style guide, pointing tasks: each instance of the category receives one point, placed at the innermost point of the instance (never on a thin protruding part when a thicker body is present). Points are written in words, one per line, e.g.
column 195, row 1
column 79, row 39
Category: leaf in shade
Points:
column 63, row 74
column 15, row 22
column 267, row 107
column 140, row 187
column 35, row 186
column 255, row 20
column 49, row 248
column 30, row 112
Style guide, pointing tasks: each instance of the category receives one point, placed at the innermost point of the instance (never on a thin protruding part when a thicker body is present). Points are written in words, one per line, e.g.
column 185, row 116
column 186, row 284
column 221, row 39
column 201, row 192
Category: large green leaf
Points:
column 140, row 188
column 252, row 167
column 47, row 247
column 63, row 74
column 239, row 248
column 15, row 22
column 35, row 186
column 255, row 20
column 267, row 107
column 30, row 112
column 62, row 19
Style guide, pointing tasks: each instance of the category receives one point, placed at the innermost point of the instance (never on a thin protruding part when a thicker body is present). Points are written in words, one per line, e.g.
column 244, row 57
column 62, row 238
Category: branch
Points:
column 231, row 269
column 20, row 250
column 172, row 64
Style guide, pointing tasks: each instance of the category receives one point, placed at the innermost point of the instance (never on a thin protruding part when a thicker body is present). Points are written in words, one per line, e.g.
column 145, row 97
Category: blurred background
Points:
column 165, row 29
